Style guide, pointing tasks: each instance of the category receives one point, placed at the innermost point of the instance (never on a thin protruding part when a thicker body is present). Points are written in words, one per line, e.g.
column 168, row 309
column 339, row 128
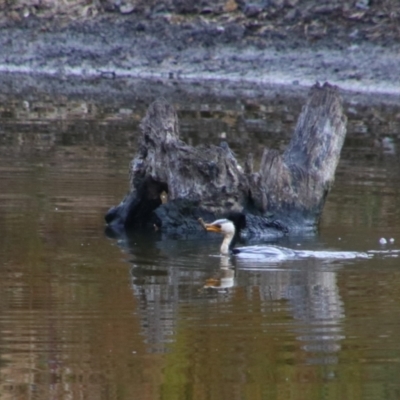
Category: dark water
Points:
column 83, row 316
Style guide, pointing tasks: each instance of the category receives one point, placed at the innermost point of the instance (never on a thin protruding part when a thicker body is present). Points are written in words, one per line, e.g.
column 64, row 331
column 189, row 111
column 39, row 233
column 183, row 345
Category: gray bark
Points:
column 173, row 184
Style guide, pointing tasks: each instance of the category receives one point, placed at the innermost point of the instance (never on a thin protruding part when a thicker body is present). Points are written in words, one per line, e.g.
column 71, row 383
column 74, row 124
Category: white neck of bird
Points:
column 226, row 242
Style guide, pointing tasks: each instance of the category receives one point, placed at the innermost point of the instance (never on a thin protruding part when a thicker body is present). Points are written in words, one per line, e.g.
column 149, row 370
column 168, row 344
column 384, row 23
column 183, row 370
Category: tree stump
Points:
column 173, row 184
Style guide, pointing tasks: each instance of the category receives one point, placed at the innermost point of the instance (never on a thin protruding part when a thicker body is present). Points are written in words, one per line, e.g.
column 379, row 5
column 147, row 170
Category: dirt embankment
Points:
column 355, row 44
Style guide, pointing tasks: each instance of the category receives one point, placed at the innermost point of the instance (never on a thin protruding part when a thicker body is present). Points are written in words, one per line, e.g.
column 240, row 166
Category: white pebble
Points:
column 391, row 240
column 382, row 241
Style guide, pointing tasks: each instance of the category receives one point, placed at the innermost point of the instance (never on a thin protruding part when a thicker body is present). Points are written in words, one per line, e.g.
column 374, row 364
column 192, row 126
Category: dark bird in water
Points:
column 273, row 253
column 227, row 228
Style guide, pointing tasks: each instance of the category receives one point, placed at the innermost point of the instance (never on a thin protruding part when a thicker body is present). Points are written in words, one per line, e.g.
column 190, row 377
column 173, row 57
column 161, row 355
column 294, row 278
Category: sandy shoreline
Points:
column 113, row 48
column 298, row 73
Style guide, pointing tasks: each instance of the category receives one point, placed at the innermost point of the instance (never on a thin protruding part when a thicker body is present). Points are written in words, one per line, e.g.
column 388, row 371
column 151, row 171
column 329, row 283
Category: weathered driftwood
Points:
column 173, row 184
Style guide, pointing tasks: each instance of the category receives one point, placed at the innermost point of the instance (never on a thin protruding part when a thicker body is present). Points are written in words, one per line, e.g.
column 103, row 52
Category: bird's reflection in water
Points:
column 312, row 297
column 173, row 280
column 224, row 279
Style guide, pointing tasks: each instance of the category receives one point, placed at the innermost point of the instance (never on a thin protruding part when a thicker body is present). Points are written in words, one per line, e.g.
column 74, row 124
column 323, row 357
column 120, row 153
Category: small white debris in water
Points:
column 391, row 240
column 382, row 241
column 339, row 238
column 126, row 8
column 56, row 209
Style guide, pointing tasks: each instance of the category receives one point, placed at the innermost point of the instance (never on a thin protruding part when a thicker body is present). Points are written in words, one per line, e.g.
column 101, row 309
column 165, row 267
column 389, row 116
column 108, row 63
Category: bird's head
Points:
column 223, row 226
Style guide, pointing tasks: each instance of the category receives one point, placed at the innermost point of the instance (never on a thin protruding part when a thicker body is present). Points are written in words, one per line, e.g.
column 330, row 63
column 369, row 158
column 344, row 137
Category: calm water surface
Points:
column 84, row 316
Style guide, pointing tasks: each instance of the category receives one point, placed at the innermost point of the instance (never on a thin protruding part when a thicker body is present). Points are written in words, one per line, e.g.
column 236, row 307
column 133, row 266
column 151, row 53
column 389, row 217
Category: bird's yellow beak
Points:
column 212, row 228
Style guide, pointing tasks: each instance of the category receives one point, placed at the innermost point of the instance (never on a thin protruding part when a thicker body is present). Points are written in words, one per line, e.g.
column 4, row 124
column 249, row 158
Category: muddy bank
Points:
column 354, row 45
